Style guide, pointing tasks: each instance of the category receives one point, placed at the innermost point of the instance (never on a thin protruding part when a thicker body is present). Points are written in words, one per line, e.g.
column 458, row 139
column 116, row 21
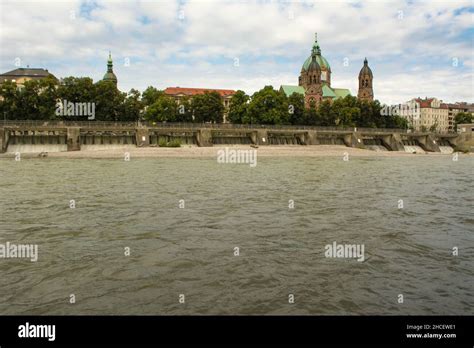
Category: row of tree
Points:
column 38, row 100
column 159, row 107
column 269, row 106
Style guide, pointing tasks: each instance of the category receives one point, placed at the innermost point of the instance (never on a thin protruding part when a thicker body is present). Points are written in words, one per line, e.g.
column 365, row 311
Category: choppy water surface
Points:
column 191, row 251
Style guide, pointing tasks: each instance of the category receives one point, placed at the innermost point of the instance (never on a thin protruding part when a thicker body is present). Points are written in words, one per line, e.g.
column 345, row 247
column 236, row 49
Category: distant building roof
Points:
column 195, row 91
column 341, row 92
column 32, row 73
column 424, row 103
column 289, row 90
column 460, row 106
column 327, row 91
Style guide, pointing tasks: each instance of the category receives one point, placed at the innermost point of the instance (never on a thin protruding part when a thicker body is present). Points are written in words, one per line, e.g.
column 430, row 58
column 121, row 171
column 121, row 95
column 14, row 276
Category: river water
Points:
column 281, row 251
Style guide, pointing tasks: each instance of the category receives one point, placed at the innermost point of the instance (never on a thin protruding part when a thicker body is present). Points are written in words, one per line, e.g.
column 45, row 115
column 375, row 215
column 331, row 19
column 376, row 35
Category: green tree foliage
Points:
column 108, row 102
column 29, row 100
column 35, row 100
column 312, row 116
column 184, row 110
column 462, row 117
column 150, row 95
column 268, row 106
column 326, row 116
column 10, row 102
column 208, row 107
column 132, row 106
column 398, row 122
column 47, row 98
column 77, row 89
column 238, row 107
column 296, row 109
column 38, row 99
column 344, row 112
column 164, row 109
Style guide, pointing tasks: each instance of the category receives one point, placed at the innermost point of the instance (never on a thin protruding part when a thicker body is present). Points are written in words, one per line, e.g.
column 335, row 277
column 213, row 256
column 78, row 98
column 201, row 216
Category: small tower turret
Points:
column 109, row 75
column 366, row 91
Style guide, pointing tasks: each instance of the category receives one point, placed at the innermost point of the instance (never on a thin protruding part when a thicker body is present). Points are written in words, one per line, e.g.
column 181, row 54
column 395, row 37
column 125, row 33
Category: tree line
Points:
column 38, row 100
column 270, row 106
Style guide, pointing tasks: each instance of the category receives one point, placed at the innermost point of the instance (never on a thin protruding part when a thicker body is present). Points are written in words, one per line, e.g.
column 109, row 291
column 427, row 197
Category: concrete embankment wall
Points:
column 29, row 141
column 465, row 141
column 35, row 148
column 75, row 138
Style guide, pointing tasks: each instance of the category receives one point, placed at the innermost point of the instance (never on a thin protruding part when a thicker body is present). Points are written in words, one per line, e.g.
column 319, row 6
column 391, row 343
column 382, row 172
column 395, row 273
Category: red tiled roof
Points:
column 424, row 103
column 196, row 91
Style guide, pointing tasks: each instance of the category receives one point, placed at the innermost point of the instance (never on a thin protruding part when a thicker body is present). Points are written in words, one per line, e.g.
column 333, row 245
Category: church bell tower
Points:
column 313, row 86
column 366, row 91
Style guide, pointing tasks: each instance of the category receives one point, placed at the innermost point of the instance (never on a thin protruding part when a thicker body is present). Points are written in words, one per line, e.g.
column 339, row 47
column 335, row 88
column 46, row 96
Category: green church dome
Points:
column 323, row 63
column 109, row 75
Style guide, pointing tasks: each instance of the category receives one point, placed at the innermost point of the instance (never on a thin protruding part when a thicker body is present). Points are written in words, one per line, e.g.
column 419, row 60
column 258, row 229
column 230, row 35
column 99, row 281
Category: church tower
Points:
column 109, row 75
column 312, row 83
column 314, row 72
column 366, row 91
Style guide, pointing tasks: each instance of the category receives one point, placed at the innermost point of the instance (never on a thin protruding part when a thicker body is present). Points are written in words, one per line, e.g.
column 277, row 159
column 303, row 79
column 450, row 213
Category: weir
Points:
column 375, row 144
column 283, row 139
column 231, row 138
column 44, row 136
column 330, row 139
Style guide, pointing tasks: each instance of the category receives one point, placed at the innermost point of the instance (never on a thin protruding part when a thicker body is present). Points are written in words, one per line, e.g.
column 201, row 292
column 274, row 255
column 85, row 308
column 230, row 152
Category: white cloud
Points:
column 195, row 43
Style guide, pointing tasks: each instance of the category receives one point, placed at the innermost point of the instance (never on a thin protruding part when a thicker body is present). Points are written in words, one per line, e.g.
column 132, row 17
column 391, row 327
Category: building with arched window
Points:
column 315, row 81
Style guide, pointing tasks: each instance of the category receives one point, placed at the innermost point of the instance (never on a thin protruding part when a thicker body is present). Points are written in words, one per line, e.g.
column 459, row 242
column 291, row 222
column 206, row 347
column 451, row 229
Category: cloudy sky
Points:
column 415, row 48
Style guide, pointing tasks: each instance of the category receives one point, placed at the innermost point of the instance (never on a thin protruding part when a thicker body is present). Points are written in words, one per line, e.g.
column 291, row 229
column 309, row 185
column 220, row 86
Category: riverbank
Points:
column 211, row 152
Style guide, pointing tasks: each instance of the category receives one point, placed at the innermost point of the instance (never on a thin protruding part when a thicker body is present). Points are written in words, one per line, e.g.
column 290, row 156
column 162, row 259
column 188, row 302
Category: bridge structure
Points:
column 76, row 135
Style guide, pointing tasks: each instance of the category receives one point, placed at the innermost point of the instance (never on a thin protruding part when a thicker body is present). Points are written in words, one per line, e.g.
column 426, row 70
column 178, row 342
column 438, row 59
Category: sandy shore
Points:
column 211, row 152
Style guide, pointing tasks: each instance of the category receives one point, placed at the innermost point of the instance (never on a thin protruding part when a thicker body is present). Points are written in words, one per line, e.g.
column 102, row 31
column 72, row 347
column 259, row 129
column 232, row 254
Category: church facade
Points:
column 315, row 81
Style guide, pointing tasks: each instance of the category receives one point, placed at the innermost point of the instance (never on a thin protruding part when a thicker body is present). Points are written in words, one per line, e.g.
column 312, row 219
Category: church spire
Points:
column 316, row 49
column 110, row 64
column 109, row 75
